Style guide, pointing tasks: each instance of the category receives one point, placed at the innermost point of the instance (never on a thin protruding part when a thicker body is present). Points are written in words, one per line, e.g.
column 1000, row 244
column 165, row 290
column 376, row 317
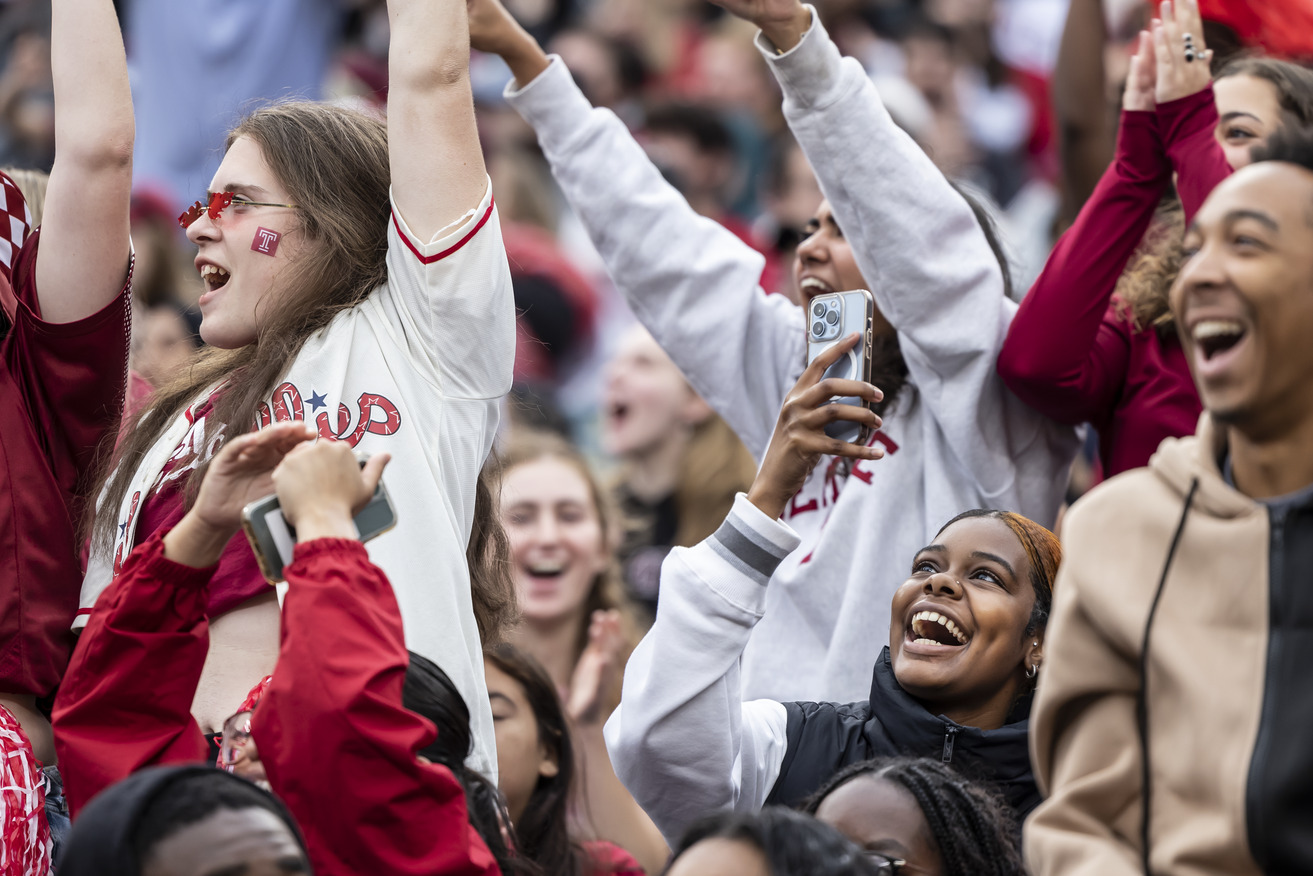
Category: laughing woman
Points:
column 965, row 643
column 355, row 278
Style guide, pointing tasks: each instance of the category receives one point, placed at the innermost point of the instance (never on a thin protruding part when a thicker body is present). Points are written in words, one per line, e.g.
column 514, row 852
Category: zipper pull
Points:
column 950, row 732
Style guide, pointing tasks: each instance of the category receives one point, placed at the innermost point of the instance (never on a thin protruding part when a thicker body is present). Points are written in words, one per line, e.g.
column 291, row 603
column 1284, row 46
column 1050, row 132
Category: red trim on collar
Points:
column 428, row 260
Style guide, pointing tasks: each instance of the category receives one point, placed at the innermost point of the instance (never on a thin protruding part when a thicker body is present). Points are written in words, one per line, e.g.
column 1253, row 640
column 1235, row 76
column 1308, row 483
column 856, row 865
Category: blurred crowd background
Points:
column 998, row 97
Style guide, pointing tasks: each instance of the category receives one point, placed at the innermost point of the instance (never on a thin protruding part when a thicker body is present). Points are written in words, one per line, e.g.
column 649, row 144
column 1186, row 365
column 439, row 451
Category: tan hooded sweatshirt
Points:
column 1208, row 653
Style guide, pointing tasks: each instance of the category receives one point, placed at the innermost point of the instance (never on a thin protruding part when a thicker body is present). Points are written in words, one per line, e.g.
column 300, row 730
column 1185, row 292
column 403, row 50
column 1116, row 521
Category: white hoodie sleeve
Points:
column 693, row 283
column 682, row 740
column 919, row 246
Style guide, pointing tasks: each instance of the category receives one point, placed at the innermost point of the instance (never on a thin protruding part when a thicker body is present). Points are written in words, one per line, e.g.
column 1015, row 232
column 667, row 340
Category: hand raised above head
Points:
column 1180, row 55
column 1142, row 78
column 782, row 21
column 800, row 439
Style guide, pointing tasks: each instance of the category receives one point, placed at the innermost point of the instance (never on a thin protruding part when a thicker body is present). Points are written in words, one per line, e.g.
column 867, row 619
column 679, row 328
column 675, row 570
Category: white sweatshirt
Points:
column 956, row 438
column 417, row 370
column 682, row 740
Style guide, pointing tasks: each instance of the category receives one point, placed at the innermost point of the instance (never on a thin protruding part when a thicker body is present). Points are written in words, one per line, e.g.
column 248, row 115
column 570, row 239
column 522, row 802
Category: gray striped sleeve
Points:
column 746, row 550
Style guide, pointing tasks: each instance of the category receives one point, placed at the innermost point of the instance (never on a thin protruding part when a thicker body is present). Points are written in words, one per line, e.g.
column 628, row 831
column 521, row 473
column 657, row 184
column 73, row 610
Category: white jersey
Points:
column 416, row 370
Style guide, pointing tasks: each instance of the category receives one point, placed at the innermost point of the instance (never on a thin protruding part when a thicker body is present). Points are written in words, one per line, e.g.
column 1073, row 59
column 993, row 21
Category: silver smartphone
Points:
column 273, row 539
column 830, row 319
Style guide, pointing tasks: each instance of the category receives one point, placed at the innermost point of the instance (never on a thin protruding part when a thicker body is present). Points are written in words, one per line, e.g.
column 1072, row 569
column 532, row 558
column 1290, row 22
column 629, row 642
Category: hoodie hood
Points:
column 100, row 843
column 1180, row 461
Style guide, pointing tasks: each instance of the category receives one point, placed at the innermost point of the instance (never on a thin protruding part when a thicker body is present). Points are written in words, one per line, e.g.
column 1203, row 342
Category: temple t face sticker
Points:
column 265, row 241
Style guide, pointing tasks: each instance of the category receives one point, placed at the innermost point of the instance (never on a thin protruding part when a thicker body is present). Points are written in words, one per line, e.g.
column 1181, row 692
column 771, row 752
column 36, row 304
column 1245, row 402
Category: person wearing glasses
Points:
column 355, row 279
column 955, row 682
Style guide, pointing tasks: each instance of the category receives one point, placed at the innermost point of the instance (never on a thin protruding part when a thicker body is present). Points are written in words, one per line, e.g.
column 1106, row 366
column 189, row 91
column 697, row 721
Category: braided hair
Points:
column 970, row 825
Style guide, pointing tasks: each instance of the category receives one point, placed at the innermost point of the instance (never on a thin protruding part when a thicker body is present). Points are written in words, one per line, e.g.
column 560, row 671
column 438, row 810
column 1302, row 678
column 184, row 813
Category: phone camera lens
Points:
column 818, row 308
column 818, row 328
column 832, row 317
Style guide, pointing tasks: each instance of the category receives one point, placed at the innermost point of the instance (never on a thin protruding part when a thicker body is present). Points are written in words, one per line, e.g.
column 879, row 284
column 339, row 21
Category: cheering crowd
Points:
column 309, row 565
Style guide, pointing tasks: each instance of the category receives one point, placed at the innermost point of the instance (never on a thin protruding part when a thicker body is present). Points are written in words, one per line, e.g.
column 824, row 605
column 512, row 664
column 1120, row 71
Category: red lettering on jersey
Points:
column 377, row 416
column 287, row 403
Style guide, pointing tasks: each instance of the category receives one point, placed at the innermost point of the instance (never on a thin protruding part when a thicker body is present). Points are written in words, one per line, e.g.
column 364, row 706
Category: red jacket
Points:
column 1074, row 354
column 336, row 743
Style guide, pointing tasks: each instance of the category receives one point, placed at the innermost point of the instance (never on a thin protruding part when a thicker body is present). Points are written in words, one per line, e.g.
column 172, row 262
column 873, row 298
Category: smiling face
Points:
column 241, row 284
column 522, row 758
column 646, row 401
column 1243, row 301
column 1248, row 112
column 556, row 536
column 883, row 818
column 957, row 635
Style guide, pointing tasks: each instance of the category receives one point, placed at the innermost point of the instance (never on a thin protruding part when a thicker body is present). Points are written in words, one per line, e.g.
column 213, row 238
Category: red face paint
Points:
column 265, row 241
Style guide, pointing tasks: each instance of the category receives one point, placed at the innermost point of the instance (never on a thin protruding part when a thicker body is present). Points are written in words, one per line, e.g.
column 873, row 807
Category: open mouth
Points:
column 545, row 569
column 1215, row 336
column 618, row 412
column 932, row 628
column 813, row 286
column 214, row 277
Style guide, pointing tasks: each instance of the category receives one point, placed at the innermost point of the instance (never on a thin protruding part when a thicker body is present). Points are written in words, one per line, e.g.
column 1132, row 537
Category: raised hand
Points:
column 495, row 31
column 239, row 474
column 1182, row 64
column 321, row 487
column 597, row 670
column 1142, row 78
column 800, row 440
column 783, row 22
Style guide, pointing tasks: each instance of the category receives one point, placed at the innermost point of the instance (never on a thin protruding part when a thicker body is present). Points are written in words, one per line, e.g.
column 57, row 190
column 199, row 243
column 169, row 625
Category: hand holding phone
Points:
column 801, row 438
column 323, row 490
column 830, row 319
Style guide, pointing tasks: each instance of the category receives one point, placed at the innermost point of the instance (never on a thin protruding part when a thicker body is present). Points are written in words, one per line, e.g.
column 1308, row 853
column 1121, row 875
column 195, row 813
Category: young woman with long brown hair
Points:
column 354, row 278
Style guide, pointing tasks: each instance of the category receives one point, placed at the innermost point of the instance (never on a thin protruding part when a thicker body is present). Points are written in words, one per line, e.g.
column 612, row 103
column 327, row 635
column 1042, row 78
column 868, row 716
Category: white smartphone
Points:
column 273, row 539
column 830, row 319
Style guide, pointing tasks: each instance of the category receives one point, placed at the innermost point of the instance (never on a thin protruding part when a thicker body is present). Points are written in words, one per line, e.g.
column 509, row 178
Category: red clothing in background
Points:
column 608, row 859
column 61, row 390
column 1073, row 353
column 337, row 745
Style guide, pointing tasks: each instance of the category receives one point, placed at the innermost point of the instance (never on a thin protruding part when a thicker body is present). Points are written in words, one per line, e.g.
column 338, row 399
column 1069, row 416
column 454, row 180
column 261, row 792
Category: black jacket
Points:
column 825, row 737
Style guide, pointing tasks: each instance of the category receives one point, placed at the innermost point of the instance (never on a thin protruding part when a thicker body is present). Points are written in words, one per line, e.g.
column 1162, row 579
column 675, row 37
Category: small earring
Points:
column 1032, row 670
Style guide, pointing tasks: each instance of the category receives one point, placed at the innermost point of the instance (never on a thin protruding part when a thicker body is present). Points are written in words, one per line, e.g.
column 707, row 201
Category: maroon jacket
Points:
column 335, row 741
column 1072, row 352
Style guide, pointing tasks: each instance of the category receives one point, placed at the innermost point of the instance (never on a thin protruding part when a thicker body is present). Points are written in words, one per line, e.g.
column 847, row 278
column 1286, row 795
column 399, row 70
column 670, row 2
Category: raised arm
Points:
column 1187, row 111
column 1080, row 104
column 693, row 283
column 332, row 718
column 438, row 174
column 682, row 740
column 84, row 254
column 1065, row 355
column 125, row 702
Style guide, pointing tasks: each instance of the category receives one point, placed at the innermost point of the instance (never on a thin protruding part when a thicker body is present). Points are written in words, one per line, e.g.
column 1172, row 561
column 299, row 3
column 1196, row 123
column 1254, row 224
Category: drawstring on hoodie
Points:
column 1142, row 703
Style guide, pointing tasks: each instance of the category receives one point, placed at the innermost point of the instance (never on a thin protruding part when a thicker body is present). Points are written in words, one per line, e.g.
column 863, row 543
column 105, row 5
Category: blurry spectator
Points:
column 27, row 108
column 694, row 148
column 681, row 465
column 572, row 816
column 165, row 339
column 163, row 272
column 562, row 533
column 609, row 71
